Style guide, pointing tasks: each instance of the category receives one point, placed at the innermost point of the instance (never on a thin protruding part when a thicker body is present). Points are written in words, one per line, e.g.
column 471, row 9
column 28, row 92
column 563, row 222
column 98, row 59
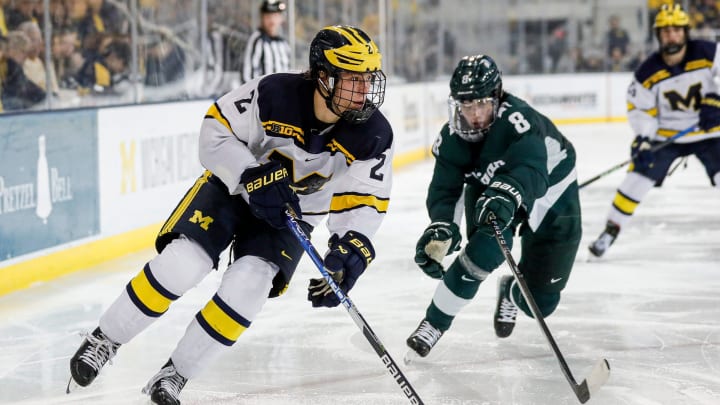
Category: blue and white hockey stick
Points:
column 599, row 374
column 388, row 361
column 652, row 149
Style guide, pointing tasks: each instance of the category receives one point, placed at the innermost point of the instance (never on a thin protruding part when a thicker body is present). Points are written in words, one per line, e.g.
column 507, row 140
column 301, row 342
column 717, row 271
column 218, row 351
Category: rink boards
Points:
column 80, row 187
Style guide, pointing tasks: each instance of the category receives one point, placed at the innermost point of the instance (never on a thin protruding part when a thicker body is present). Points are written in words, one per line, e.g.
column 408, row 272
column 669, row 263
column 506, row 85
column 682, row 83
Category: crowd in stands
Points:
column 92, row 55
column 90, row 51
column 625, row 53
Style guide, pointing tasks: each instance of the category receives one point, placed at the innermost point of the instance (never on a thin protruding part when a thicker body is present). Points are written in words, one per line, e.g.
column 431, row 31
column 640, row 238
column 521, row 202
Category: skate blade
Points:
column 591, row 258
column 410, row 357
column 72, row 386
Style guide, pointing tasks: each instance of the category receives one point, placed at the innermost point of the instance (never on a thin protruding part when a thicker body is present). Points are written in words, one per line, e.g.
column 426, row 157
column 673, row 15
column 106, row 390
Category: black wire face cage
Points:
column 459, row 125
column 342, row 98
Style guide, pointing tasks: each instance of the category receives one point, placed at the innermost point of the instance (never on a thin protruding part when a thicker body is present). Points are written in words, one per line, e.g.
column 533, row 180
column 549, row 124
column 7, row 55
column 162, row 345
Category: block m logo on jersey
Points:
column 204, row 222
column 691, row 101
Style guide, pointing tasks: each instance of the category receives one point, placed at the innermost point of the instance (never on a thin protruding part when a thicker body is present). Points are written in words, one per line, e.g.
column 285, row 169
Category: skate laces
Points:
column 427, row 333
column 100, row 350
column 169, row 381
column 508, row 311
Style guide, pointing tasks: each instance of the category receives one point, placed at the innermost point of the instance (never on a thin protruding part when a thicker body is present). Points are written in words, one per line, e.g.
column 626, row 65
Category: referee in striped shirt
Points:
column 266, row 51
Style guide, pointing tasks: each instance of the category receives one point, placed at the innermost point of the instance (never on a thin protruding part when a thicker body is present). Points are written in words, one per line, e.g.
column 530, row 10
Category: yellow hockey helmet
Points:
column 671, row 16
column 342, row 47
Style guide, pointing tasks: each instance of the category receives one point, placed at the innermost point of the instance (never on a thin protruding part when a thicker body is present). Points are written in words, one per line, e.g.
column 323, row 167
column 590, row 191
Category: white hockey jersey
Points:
column 344, row 170
column 664, row 100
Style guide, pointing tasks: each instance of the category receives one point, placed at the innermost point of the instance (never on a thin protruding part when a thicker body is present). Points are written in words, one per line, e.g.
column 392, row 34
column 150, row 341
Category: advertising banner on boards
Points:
column 48, row 180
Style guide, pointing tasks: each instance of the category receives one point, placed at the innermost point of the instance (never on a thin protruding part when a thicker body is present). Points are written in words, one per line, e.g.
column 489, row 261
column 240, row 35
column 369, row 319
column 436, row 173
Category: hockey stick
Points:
column 625, row 163
column 599, row 374
column 374, row 341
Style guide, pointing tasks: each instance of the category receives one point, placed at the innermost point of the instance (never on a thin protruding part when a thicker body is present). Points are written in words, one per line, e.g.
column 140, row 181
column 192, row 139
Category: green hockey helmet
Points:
column 475, row 92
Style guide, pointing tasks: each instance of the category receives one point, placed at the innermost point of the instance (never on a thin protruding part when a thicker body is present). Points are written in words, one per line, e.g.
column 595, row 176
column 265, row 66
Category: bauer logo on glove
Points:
column 266, row 180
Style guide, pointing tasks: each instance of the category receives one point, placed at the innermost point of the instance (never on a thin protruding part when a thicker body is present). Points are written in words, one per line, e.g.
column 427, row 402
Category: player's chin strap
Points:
column 388, row 361
column 653, row 149
column 599, row 374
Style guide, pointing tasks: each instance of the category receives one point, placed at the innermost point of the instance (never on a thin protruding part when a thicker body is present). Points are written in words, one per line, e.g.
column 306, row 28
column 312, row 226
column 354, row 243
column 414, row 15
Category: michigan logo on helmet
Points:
column 671, row 16
column 341, row 49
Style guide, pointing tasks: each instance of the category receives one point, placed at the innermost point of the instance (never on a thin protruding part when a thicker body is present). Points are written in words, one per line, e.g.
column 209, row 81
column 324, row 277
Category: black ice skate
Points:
column 424, row 338
column 95, row 351
column 505, row 311
column 165, row 386
column 606, row 238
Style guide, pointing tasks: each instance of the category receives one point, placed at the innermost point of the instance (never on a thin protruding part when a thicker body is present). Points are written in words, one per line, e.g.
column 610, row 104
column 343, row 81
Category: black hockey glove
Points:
column 641, row 154
column 346, row 260
column 439, row 240
column 500, row 198
column 710, row 112
column 268, row 188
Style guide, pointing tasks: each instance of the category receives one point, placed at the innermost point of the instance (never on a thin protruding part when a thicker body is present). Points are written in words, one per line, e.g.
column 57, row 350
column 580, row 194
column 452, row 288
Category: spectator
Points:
column 59, row 16
column 103, row 74
column 18, row 92
column 22, row 11
column 557, row 47
column 34, row 66
column 101, row 19
column 709, row 10
column 164, row 62
column 617, row 61
column 67, row 61
column 266, row 51
column 3, row 19
column 616, row 37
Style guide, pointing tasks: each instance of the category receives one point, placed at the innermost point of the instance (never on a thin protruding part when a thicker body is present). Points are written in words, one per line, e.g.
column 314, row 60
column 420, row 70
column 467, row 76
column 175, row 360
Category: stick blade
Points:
column 598, row 376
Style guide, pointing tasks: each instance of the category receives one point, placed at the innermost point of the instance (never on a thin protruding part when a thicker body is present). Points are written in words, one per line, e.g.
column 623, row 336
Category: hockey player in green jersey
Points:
column 507, row 159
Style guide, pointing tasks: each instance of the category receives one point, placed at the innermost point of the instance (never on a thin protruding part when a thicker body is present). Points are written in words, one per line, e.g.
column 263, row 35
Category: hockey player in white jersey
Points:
column 672, row 90
column 313, row 140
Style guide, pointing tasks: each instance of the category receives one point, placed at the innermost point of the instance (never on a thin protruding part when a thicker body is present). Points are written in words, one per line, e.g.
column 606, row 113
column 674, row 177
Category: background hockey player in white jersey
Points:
column 266, row 51
column 673, row 89
column 313, row 140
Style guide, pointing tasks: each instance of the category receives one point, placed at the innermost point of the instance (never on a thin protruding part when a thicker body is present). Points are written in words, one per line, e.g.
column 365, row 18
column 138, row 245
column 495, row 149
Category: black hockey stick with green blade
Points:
column 374, row 341
column 627, row 162
column 599, row 374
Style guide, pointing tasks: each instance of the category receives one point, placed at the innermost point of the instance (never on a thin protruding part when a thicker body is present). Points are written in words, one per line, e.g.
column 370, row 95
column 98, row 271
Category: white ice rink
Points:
column 651, row 307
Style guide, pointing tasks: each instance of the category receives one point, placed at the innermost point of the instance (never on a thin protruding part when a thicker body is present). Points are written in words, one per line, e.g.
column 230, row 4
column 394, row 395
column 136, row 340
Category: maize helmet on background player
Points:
column 475, row 92
column 671, row 16
column 339, row 50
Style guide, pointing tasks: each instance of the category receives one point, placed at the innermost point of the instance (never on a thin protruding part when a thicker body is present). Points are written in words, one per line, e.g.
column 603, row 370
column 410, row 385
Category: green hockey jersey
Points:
column 522, row 148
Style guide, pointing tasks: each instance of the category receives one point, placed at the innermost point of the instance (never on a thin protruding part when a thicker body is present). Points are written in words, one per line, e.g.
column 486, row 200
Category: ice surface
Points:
column 651, row 307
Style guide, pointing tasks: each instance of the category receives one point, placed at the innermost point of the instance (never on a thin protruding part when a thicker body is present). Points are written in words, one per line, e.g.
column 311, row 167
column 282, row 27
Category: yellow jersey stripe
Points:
column 346, row 202
column 180, row 210
column 214, row 112
column 223, row 320
column 667, row 133
column 624, row 204
column 655, row 78
column 150, row 296
column 698, row 64
column 335, row 145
